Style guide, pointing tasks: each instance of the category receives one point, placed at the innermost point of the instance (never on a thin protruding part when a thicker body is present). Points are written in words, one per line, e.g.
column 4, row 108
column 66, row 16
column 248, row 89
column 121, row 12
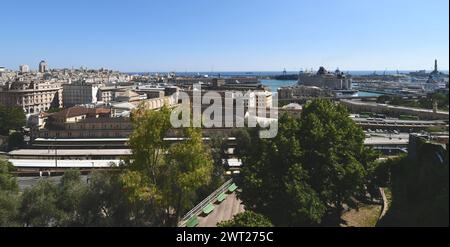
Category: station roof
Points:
column 62, row 163
column 69, row 152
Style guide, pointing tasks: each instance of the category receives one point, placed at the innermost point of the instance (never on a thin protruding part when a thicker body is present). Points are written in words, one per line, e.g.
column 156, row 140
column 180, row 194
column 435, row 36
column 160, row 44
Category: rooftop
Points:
column 79, row 111
column 69, row 152
column 62, row 163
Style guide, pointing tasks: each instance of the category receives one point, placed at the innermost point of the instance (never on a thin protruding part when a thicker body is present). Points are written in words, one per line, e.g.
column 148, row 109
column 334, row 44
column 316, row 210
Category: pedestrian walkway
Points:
column 224, row 210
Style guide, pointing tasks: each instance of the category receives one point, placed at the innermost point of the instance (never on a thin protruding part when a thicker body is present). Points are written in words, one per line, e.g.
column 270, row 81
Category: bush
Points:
column 247, row 219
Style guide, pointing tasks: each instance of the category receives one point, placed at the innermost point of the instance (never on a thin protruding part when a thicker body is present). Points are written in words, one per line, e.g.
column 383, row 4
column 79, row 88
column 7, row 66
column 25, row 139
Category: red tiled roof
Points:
column 79, row 111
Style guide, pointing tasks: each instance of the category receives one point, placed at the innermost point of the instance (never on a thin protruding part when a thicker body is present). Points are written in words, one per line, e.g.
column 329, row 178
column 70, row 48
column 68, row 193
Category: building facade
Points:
column 101, row 127
column 302, row 92
column 33, row 96
column 43, row 66
column 24, row 68
column 79, row 93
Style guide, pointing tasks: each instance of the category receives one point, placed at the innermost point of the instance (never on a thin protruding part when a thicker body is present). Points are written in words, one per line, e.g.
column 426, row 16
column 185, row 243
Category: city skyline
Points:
column 31, row 68
column 232, row 36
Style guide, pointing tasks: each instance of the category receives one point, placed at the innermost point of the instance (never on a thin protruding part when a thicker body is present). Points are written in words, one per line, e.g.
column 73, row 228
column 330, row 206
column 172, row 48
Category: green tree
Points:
column 102, row 203
column 273, row 180
column 189, row 167
column 148, row 171
column 7, row 181
column 164, row 179
column 109, row 201
column 311, row 168
column 420, row 188
column 142, row 201
column 11, row 118
column 38, row 207
column 247, row 219
column 147, row 141
column 426, row 102
column 9, row 197
column 71, row 191
column 441, row 99
column 218, row 147
column 15, row 140
column 383, row 99
column 334, row 153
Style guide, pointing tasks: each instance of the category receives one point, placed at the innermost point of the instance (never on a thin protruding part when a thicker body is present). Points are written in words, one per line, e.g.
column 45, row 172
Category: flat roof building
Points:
column 79, row 93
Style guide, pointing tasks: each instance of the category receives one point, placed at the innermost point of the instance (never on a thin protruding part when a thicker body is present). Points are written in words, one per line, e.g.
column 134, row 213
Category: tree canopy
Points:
column 9, row 197
column 11, row 118
column 247, row 219
column 38, row 207
column 420, row 188
column 312, row 167
column 15, row 140
column 167, row 176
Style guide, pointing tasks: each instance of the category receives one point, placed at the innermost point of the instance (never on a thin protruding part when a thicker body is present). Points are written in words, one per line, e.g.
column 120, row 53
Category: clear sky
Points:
column 225, row 35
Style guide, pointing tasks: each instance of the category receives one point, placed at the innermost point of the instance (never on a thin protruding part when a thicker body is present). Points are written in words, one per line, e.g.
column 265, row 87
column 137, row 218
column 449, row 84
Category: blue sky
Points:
column 226, row 35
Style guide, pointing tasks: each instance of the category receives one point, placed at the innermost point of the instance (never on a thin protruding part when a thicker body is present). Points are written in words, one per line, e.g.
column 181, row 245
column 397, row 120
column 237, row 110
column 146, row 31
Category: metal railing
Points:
column 199, row 207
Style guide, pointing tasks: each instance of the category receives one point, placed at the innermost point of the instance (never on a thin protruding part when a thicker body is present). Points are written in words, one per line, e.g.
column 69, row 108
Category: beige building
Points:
column 250, row 98
column 74, row 115
column 157, row 103
column 90, row 128
column 106, row 94
column 81, row 122
column 32, row 96
column 24, row 68
column 128, row 96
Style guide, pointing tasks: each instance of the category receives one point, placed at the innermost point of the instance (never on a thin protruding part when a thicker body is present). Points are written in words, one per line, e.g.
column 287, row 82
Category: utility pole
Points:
column 56, row 154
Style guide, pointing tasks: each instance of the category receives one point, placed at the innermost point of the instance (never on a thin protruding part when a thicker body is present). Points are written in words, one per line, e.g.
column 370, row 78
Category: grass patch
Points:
column 365, row 216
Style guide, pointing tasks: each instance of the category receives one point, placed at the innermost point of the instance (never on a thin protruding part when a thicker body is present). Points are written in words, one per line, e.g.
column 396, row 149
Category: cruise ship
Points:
column 327, row 80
